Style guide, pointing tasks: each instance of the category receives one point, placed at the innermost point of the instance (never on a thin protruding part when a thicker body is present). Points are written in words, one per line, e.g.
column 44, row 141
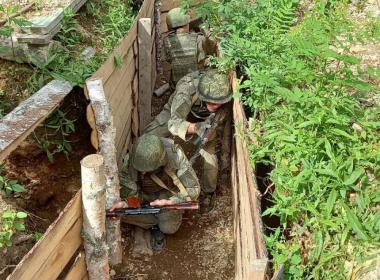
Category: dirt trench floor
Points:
column 203, row 247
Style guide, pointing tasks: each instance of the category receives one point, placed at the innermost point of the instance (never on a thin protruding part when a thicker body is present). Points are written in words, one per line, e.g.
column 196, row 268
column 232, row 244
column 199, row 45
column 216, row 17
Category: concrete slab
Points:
column 44, row 25
column 38, row 39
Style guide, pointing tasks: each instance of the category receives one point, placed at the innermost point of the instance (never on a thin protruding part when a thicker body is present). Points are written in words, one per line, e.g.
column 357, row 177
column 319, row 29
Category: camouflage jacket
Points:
column 185, row 101
column 177, row 162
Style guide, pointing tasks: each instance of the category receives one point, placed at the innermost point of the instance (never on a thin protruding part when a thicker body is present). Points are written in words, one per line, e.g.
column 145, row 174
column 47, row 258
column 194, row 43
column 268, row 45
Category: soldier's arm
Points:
column 206, row 46
column 188, row 178
column 180, row 108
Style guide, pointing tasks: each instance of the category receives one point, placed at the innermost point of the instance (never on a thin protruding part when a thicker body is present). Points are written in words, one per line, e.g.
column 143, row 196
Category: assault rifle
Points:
column 145, row 210
column 202, row 140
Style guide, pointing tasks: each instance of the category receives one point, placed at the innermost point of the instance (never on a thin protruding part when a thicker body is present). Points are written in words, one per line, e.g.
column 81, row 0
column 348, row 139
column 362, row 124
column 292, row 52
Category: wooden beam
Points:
column 145, row 68
column 78, row 270
column 251, row 255
column 34, row 264
column 107, row 145
column 19, row 123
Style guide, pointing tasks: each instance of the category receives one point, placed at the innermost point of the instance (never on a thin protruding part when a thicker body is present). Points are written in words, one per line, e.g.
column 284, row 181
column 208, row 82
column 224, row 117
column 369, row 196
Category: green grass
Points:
column 308, row 95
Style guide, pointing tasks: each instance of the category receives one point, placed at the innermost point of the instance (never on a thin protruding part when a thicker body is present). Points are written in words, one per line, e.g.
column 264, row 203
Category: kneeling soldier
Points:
column 152, row 163
column 188, row 111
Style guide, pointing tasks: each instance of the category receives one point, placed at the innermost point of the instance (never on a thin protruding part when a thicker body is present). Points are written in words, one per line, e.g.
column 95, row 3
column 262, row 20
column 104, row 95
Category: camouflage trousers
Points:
column 168, row 221
column 209, row 164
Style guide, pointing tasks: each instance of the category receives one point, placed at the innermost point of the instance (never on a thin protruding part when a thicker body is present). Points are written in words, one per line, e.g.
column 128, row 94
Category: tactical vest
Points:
column 182, row 50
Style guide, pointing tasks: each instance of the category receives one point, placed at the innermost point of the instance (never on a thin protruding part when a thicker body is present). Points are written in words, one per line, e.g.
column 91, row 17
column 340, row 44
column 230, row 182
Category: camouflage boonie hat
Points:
column 148, row 153
column 214, row 87
column 176, row 18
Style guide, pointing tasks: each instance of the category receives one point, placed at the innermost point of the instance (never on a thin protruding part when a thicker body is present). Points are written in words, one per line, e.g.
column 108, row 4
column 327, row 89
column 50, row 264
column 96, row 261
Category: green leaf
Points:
column 21, row 215
column 353, row 177
column 355, row 224
column 19, row 226
column 18, row 188
column 331, row 201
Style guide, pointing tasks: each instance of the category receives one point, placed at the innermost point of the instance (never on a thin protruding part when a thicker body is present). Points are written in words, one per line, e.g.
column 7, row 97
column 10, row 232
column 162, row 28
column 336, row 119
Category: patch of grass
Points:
column 308, row 98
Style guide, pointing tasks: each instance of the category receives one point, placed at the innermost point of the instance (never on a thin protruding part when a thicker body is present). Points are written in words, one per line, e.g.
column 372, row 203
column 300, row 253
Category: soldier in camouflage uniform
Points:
column 186, row 51
column 187, row 112
column 159, row 157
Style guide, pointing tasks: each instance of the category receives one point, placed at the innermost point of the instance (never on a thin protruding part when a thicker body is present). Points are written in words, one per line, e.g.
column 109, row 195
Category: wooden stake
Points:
column 106, row 138
column 93, row 204
column 145, row 70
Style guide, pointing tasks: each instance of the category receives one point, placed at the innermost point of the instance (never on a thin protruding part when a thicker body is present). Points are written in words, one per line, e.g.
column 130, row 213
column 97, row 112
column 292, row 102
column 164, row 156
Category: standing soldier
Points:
column 152, row 164
column 185, row 50
column 187, row 113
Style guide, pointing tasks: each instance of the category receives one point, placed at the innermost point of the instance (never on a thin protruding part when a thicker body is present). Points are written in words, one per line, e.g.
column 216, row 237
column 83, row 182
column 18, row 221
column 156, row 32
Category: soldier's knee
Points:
column 169, row 227
column 170, row 222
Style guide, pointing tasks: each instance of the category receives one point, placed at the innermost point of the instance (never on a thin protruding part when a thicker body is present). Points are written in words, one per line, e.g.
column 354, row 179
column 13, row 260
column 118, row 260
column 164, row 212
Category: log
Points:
column 19, row 123
column 145, row 68
column 106, row 135
column 93, row 205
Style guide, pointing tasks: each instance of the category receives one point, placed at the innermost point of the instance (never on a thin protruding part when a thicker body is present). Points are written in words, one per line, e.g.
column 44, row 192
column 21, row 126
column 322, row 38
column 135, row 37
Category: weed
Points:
column 57, row 128
column 8, row 186
column 68, row 34
column 307, row 96
column 11, row 221
column 37, row 235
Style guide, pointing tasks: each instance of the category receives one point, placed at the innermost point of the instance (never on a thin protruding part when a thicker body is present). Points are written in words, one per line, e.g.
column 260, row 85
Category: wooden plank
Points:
column 34, row 261
column 120, row 128
column 19, row 123
column 120, row 75
column 251, row 255
column 126, row 147
column 167, row 5
column 123, row 107
column 78, row 269
column 62, row 254
column 145, row 68
column 124, row 131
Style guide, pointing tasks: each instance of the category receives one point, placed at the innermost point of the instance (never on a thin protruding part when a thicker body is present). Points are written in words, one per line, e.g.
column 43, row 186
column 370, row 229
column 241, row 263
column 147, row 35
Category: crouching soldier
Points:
column 186, row 51
column 154, row 162
column 187, row 113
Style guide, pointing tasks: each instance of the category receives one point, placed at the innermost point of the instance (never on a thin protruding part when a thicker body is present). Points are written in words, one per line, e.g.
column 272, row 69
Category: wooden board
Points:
column 53, row 251
column 78, row 269
column 19, row 123
column 251, row 255
column 145, row 68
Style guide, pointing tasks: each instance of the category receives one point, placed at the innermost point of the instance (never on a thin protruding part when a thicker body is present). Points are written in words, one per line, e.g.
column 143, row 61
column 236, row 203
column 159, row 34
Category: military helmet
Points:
column 148, row 153
column 176, row 18
column 214, row 87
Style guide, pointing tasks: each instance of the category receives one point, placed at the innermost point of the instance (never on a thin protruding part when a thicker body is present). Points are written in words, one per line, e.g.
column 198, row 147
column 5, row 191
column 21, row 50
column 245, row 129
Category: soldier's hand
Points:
column 118, row 205
column 201, row 127
column 161, row 202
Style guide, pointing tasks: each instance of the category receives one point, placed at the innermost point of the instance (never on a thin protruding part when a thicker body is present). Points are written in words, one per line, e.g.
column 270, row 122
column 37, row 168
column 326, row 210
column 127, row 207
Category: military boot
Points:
column 207, row 202
column 157, row 239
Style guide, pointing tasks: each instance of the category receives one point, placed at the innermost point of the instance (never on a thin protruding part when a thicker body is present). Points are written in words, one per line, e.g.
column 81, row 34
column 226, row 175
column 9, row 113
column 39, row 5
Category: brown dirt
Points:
column 49, row 185
column 201, row 249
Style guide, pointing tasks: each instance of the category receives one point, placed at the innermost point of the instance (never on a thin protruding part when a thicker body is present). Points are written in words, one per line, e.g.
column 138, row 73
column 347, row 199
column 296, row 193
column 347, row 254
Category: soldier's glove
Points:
column 201, row 127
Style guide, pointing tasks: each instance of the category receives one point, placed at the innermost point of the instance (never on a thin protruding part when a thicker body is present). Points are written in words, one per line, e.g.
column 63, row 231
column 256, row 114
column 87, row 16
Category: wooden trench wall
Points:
column 59, row 252
column 61, row 244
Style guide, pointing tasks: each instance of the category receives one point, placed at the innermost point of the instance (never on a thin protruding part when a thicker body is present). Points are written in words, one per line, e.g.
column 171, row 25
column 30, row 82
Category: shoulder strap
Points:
column 178, row 183
column 159, row 182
